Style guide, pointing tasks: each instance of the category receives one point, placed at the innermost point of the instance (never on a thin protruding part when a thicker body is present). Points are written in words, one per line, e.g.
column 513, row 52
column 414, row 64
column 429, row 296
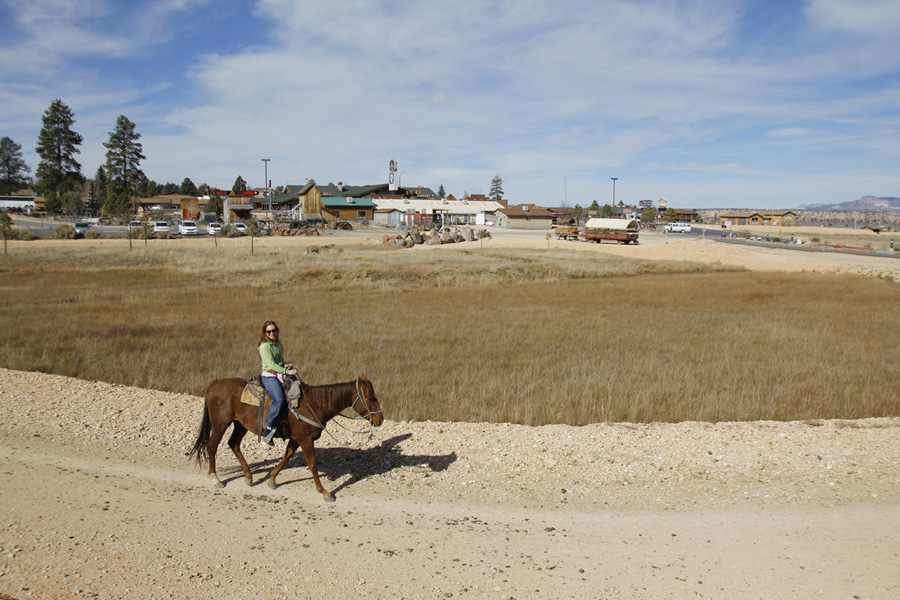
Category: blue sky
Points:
column 756, row 103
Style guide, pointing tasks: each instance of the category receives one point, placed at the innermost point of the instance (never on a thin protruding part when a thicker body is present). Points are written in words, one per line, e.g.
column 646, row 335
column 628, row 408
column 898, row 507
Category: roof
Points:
column 619, row 224
column 761, row 213
column 353, row 191
column 298, row 189
column 529, row 210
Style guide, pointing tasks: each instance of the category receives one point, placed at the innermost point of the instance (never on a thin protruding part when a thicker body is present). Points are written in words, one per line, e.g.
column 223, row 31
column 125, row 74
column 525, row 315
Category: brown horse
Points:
column 302, row 427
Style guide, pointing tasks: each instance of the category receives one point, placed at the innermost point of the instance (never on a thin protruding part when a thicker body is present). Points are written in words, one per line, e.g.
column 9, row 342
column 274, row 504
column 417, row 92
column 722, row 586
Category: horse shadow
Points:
column 360, row 463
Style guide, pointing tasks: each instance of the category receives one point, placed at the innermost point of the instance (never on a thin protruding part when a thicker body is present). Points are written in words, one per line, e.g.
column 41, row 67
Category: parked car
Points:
column 135, row 226
column 677, row 228
column 241, row 228
column 188, row 228
column 82, row 228
column 214, row 229
column 160, row 227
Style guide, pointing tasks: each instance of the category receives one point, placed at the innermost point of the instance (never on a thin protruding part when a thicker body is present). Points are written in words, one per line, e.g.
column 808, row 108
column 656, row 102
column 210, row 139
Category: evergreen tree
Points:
column 188, row 188
column 58, row 173
column 215, row 204
column 123, row 157
column 595, row 206
column 441, row 192
column 496, row 193
column 670, row 215
column 239, row 185
column 13, row 170
column 606, row 211
column 97, row 192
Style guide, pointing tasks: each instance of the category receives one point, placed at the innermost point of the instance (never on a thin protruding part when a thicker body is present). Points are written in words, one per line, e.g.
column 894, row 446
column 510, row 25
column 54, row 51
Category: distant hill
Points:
column 870, row 203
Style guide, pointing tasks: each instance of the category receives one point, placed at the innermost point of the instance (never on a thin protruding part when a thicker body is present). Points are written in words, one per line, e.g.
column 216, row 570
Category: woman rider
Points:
column 273, row 371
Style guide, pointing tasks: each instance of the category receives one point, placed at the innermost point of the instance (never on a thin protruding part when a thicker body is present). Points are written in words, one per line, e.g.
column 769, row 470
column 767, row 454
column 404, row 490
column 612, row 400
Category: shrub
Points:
column 64, row 231
column 26, row 234
column 164, row 235
column 93, row 234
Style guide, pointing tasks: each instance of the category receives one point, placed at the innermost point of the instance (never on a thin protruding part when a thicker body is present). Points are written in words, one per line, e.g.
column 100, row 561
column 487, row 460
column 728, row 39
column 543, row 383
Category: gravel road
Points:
column 100, row 501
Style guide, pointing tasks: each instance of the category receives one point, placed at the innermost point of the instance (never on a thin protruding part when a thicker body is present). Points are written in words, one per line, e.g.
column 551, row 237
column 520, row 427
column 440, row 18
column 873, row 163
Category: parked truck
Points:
column 623, row 231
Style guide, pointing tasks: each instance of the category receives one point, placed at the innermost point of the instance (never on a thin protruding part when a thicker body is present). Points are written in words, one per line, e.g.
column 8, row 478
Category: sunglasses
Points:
column 271, row 331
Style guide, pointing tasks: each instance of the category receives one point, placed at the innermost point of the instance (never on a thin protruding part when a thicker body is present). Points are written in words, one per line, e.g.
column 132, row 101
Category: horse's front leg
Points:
column 288, row 453
column 309, row 451
column 234, row 442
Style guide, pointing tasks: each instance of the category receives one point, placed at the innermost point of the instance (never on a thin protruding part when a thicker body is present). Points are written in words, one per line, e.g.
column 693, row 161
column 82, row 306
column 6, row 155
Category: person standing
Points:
column 274, row 370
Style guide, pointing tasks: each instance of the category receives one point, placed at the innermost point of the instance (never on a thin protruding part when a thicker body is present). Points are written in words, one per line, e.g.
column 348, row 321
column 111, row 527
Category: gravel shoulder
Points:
column 100, row 501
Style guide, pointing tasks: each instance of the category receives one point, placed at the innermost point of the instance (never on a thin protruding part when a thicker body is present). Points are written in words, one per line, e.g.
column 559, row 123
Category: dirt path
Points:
column 102, row 503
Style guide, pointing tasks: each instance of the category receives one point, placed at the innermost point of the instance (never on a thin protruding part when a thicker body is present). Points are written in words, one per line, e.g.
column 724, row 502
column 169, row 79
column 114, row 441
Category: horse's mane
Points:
column 329, row 396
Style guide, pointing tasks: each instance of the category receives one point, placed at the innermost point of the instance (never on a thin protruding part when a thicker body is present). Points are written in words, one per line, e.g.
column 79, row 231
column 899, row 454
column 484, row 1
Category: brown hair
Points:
column 263, row 337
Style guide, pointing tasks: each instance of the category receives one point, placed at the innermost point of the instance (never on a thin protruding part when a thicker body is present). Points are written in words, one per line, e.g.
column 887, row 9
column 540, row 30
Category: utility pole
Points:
column 266, row 186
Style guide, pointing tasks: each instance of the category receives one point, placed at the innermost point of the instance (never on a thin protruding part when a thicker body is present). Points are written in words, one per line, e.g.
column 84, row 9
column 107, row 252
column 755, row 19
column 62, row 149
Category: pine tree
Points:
column 496, row 193
column 13, row 170
column 123, row 157
column 239, row 185
column 441, row 192
column 97, row 192
column 188, row 188
column 58, row 172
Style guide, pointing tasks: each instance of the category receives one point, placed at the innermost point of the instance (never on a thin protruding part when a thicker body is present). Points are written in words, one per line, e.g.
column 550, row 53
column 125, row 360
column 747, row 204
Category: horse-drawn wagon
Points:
column 624, row 231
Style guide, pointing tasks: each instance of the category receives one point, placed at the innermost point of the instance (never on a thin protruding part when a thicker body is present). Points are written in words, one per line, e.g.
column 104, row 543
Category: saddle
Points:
column 255, row 394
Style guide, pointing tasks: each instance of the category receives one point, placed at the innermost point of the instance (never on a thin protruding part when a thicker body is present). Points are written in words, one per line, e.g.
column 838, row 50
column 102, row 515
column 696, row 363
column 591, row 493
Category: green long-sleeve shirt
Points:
column 272, row 357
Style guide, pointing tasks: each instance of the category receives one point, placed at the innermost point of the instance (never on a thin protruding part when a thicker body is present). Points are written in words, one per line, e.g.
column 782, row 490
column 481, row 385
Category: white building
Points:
column 412, row 211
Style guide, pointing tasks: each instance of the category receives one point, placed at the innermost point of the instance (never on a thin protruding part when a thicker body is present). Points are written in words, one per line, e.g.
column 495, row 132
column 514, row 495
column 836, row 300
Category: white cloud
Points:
column 651, row 91
column 860, row 17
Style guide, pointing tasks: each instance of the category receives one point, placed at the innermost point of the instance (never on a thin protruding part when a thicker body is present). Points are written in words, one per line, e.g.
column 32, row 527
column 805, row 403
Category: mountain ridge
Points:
column 870, row 203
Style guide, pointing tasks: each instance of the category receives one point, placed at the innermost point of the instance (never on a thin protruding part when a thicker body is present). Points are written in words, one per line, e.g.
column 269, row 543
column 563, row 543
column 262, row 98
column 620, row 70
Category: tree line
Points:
column 115, row 188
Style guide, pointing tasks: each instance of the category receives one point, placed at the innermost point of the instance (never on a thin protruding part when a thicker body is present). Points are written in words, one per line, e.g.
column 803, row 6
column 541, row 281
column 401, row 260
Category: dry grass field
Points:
column 477, row 334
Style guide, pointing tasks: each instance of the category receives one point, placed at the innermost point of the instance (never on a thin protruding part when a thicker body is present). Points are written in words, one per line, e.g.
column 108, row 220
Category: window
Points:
column 360, row 214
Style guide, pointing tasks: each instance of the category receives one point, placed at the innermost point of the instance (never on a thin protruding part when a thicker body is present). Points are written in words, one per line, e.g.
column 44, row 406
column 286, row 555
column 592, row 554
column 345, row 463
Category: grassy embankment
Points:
column 520, row 336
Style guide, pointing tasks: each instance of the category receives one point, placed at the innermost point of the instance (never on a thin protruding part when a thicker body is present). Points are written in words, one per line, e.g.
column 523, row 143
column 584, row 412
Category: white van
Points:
column 677, row 228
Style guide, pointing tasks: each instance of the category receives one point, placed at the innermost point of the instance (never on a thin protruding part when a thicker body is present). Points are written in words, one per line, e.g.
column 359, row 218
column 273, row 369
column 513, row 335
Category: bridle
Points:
column 370, row 415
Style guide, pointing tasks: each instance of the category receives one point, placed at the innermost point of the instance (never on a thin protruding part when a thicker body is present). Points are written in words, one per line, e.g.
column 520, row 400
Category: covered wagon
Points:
column 624, row 231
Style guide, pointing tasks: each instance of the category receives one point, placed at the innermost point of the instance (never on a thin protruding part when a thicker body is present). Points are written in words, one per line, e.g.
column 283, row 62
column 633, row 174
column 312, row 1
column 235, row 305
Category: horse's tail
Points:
column 200, row 451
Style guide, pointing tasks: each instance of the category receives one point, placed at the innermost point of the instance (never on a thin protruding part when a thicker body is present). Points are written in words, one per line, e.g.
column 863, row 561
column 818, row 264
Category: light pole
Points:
column 266, row 185
column 614, row 189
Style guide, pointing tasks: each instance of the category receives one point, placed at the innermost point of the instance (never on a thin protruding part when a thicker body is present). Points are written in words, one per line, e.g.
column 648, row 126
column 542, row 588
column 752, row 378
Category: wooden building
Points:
column 780, row 218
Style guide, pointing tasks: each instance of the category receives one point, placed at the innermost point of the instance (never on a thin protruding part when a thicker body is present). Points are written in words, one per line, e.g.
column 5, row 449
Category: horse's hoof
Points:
column 329, row 498
column 218, row 485
column 272, row 485
column 248, row 481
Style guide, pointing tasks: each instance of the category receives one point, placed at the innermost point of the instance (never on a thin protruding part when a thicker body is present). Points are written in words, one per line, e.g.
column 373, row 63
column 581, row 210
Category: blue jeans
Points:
column 273, row 386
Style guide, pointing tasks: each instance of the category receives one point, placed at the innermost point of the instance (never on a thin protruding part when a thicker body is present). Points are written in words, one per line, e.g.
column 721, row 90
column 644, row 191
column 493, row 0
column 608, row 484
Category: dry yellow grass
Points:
column 506, row 336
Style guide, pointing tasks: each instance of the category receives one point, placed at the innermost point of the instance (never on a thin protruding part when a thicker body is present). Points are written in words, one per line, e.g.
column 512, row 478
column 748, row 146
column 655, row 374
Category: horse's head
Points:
column 366, row 403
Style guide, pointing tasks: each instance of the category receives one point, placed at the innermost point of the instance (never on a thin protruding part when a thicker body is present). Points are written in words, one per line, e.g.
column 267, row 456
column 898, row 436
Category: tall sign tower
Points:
column 392, row 182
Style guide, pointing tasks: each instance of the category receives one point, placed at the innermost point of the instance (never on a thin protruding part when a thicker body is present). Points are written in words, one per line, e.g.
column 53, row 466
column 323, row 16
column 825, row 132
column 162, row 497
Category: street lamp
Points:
column 266, row 185
column 614, row 189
